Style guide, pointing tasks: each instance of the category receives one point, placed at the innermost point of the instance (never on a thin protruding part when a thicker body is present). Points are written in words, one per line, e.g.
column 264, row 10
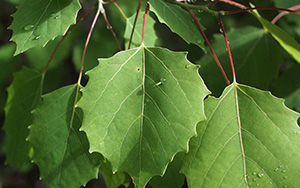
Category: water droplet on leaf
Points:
column 260, row 175
column 276, row 169
column 37, row 37
column 56, row 17
column 285, row 177
column 28, row 27
column 161, row 82
column 283, row 171
column 188, row 66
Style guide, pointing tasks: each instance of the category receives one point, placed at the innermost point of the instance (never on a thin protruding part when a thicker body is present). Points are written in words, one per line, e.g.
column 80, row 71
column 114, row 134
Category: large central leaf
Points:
column 140, row 108
column 249, row 139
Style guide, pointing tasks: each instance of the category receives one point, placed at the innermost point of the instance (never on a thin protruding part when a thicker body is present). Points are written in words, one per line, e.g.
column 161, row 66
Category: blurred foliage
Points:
column 65, row 66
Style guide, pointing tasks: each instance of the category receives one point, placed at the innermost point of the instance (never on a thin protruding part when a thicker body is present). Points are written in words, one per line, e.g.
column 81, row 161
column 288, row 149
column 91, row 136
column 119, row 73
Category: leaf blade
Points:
column 123, row 127
column 18, row 115
column 224, row 135
column 30, row 24
column 60, row 150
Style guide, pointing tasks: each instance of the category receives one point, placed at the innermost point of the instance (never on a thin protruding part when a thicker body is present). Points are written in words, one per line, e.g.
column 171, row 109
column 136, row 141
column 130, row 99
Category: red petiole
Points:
column 134, row 24
column 263, row 8
column 210, row 47
column 228, row 48
column 144, row 23
column 100, row 9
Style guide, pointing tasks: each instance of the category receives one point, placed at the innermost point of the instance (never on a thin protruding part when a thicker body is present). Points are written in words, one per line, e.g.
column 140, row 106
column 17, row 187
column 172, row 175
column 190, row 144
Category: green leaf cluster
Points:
column 149, row 116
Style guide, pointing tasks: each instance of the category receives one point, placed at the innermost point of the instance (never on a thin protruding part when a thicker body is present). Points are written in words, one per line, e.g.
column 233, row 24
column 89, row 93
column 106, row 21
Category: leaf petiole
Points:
column 63, row 38
column 228, row 49
column 134, row 24
column 100, row 9
column 210, row 47
column 144, row 23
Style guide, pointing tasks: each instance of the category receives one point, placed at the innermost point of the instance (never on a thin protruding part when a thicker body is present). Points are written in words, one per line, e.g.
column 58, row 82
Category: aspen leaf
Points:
column 140, row 108
column 249, row 138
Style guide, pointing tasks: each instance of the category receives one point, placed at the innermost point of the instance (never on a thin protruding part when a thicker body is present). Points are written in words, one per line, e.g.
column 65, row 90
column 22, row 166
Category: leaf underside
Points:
column 60, row 150
column 249, row 139
column 141, row 108
column 24, row 95
column 37, row 22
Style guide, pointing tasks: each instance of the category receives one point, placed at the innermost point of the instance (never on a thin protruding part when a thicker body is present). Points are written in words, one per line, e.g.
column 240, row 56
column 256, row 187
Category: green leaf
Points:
column 172, row 178
column 293, row 100
column 9, row 64
column 288, row 81
column 24, row 95
column 249, row 139
column 60, row 150
column 37, row 22
column 141, row 108
column 282, row 37
column 178, row 20
column 113, row 180
column 256, row 55
column 150, row 36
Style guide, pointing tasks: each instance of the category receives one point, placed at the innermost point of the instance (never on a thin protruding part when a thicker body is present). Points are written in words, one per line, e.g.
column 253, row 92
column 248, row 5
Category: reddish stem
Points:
column 234, row 3
column 111, row 30
column 108, row 2
column 213, row 3
column 263, row 8
column 63, row 38
column 144, row 23
column 228, row 49
column 210, row 47
column 134, row 23
column 88, row 40
column 284, row 13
